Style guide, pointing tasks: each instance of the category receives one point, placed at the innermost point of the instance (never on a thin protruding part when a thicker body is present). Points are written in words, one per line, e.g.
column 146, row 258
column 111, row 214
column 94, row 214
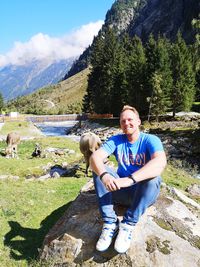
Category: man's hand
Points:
column 111, row 183
column 124, row 182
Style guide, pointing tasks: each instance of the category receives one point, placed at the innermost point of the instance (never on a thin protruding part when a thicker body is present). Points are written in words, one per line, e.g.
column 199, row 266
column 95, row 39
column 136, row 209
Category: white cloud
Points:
column 42, row 46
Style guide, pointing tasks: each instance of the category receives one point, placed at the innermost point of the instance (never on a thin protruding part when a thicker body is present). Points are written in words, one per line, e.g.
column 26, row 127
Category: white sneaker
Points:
column 124, row 237
column 108, row 232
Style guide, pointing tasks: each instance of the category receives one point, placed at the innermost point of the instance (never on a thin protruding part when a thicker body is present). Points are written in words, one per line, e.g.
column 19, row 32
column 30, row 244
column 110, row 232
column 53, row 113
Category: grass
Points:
column 23, row 127
column 29, row 209
column 179, row 178
column 27, row 165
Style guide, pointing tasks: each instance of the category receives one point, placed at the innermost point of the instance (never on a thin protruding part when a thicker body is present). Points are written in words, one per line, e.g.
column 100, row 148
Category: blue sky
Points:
column 27, row 23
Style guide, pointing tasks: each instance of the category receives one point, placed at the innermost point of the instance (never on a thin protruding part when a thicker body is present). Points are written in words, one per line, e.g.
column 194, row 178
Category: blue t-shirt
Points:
column 131, row 157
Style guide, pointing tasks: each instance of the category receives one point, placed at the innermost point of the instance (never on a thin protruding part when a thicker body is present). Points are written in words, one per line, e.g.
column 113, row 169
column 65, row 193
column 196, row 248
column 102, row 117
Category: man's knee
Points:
column 156, row 181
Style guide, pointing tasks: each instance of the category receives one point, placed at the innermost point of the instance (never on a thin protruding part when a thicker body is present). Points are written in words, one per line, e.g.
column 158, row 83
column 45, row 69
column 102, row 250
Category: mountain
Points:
column 135, row 17
column 143, row 17
column 60, row 98
column 18, row 80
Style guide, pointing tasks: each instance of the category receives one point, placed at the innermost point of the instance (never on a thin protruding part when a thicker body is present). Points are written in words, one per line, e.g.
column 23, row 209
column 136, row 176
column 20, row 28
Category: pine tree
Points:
column 158, row 63
column 196, row 56
column 183, row 91
column 100, row 83
column 157, row 99
column 120, row 94
column 136, row 71
column 94, row 78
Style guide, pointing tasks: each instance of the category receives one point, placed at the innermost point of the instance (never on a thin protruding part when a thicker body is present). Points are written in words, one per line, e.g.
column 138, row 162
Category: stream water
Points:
column 57, row 128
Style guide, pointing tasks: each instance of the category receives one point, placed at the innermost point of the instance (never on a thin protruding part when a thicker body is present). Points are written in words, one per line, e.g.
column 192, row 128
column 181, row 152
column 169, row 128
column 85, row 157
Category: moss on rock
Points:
column 153, row 243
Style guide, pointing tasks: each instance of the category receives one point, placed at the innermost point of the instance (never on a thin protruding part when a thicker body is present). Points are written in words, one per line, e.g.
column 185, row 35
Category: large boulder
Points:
column 168, row 234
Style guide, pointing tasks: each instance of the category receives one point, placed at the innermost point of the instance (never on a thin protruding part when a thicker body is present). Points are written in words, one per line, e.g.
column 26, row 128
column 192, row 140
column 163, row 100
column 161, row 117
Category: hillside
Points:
column 143, row 17
column 18, row 80
column 63, row 97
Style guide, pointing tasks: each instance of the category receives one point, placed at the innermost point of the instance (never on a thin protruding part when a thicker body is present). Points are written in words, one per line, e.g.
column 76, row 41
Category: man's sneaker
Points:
column 108, row 232
column 124, row 237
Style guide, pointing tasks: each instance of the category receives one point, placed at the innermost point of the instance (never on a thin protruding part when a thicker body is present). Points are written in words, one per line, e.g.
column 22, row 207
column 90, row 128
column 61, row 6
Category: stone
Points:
column 59, row 152
column 168, row 234
column 194, row 190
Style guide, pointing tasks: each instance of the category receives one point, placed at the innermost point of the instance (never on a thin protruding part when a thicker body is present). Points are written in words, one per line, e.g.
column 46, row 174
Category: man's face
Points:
column 129, row 122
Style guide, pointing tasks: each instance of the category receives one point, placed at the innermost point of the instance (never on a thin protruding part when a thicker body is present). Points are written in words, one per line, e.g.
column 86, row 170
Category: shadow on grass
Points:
column 24, row 242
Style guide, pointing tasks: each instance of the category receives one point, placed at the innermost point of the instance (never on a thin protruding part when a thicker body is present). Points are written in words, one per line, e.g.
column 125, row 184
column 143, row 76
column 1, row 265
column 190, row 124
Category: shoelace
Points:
column 127, row 233
column 105, row 232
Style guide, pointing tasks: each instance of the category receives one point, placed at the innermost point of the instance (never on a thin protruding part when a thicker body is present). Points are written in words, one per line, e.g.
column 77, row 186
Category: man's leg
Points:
column 141, row 196
column 105, row 199
column 110, row 226
column 144, row 195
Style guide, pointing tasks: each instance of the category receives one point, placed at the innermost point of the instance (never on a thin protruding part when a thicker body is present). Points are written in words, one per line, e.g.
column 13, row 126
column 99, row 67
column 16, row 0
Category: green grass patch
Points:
column 27, row 165
column 28, row 210
column 178, row 177
column 24, row 128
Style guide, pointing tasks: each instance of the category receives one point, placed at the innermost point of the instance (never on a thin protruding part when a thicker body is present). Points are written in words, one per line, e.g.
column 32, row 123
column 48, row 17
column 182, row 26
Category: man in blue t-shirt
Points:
column 141, row 160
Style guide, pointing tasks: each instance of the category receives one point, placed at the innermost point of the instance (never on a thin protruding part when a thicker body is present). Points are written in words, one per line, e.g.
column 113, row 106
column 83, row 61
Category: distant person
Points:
column 136, row 183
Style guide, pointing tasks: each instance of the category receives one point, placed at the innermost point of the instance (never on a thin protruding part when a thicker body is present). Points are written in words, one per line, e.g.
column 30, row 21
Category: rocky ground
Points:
column 167, row 235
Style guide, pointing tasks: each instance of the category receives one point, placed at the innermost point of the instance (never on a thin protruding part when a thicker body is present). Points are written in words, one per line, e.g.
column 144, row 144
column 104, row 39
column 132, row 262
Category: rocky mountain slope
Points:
column 17, row 80
column 60, row 98
column 142, row 17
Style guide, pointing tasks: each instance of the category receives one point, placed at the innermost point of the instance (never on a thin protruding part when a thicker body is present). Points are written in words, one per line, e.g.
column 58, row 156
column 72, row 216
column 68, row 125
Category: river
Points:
column 57, row 128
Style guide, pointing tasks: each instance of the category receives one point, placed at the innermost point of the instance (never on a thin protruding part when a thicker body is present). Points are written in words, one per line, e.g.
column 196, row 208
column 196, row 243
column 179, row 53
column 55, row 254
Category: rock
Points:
column 194, row 190
column 44, row 177
column 168, row 234
column 59, row 152
column 70, row 151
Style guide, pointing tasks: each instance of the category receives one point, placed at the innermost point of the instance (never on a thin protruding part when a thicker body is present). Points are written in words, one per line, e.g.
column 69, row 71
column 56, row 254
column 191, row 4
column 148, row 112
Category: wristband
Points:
column 132, row 178
column 102, row 175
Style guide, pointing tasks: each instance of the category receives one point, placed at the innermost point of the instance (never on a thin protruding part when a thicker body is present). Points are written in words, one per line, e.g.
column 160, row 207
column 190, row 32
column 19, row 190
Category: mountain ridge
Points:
column 135, row 17
column 18, row 80
column 66, row 96
column 143, row 17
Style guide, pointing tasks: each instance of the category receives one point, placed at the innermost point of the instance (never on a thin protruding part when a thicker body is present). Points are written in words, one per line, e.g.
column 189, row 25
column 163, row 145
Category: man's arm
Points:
column 97, row 165
column 152, row 169
column 97, row 161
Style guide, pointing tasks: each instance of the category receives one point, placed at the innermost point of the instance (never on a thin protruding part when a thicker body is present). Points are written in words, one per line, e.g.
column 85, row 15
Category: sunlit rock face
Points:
column 166, row 235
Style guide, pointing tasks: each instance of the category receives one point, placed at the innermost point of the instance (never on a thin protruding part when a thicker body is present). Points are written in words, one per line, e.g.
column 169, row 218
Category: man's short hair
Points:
column 127, row 107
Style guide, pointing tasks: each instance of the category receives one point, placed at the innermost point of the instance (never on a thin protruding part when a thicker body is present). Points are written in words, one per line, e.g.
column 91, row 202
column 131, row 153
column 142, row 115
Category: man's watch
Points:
column 131, row 176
